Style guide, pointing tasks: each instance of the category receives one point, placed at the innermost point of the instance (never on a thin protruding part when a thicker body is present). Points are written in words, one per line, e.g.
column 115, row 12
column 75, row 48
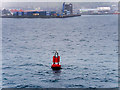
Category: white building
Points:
column 103, row 8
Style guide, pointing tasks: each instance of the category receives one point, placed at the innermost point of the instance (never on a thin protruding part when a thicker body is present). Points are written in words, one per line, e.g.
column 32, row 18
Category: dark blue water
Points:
column 88, row 46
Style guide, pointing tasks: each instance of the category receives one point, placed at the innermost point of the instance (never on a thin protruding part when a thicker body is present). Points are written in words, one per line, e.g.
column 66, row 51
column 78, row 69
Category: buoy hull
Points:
column 56, row 67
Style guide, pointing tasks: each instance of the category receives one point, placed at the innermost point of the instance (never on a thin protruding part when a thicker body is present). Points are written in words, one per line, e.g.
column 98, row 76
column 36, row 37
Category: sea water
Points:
column 87, row 45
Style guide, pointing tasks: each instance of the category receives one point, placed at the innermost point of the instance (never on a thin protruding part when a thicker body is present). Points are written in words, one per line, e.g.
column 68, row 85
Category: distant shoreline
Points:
column 65, row 16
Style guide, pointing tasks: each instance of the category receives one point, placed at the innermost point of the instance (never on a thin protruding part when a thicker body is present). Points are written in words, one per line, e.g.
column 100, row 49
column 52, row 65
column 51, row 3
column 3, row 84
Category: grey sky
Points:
column 59, row 0
column 53, row 5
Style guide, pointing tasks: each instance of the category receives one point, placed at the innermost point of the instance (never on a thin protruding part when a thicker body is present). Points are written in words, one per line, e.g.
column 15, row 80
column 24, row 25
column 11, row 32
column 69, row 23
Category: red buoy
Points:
column 56, row 60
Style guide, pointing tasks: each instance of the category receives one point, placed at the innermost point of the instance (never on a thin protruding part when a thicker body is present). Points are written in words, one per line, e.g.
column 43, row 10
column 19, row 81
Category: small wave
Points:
column 116, row 40
column 79, row 86
column 101, row 54
column 85, row 68
column 92, row 54
column 7, row 68
column 47, row 72
column 109, row 80
column 100, row 39
column 23, row 47
column 28, row 86
column 14, row 75
column 70, row 68
column 9, row 40
column 67, row 40
column 73, row 31
column 39, row 64
column 95, row 78
column 47, row 66
column 77, row 44
column 52, row 36
column 73, row 86
column 69, row 45
column 80, row 59
column 54, row 80
column 90, row 28
column 86, row 59
column 39, row 74
column 81, row 40
column 4, row 78
column 27, row 64
column 113, row 70
column 78, row 78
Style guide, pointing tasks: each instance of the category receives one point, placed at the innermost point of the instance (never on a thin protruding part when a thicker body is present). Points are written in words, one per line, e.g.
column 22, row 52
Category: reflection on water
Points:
column 56, row 72
column 56, row 75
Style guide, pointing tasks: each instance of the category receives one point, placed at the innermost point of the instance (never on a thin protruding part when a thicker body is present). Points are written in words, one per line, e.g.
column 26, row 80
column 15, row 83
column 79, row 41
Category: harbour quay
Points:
column 66, row 11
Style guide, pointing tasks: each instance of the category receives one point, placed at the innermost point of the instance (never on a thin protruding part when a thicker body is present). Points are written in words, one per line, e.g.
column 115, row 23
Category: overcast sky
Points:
column 60, row 0
column 54, row 5
column 51, row 3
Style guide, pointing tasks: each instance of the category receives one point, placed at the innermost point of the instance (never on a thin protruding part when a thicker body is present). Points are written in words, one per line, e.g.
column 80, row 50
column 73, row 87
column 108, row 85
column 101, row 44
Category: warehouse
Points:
column 35, row 13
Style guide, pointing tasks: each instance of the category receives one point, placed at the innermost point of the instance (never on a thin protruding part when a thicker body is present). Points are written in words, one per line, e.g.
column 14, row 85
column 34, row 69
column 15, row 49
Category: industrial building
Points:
column 98, row 10
column 67, row 9
column 35, row 13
